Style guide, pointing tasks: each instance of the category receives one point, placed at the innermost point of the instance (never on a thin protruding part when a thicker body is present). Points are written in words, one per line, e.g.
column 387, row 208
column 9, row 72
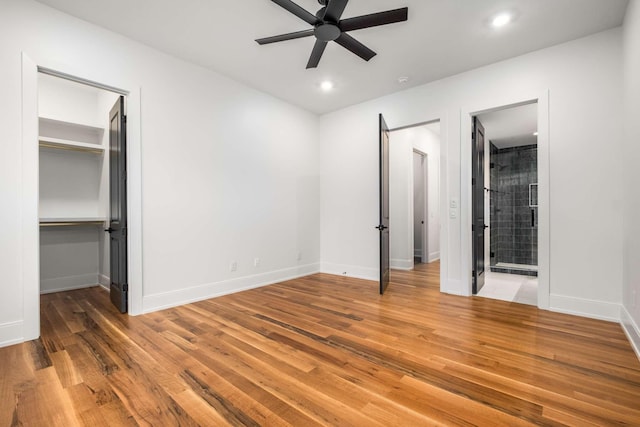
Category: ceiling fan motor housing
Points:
column 327, row 32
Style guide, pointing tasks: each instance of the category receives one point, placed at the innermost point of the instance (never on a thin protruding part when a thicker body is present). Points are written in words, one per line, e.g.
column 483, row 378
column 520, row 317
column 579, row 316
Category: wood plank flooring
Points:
column 321, row 350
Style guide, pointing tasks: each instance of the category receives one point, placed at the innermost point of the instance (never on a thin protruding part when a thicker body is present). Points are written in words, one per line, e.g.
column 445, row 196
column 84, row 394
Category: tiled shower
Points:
column 513, row 210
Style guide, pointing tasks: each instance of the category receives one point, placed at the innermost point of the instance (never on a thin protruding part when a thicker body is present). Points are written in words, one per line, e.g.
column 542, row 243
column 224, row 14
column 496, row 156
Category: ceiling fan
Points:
column 327, row 26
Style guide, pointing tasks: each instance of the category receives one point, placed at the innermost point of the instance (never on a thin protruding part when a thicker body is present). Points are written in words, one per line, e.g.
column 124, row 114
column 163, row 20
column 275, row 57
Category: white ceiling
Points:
column 441, row 38
column 511, row 127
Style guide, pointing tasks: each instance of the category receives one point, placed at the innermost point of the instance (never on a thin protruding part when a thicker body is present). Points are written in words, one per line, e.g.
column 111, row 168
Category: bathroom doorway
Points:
column 510, row 202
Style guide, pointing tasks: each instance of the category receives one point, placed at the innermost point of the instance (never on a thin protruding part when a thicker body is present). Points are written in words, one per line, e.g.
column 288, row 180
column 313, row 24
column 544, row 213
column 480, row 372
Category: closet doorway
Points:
column 82, row 195
column 414, row 195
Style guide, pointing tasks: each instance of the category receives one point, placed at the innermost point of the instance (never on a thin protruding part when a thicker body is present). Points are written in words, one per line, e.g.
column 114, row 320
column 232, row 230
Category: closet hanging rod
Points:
column 69, row 147
column 71, row 223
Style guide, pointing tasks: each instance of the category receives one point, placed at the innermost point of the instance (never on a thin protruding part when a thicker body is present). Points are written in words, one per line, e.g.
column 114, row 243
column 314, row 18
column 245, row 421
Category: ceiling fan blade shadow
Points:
column 298, row 11
column 284, row 37
column 349, row 43
column 374, row 19
column 334, row 10
column 316, row 54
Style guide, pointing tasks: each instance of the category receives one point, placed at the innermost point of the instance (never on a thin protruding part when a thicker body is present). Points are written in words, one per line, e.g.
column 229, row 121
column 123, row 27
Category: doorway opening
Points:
column 414, row 196
column 82, row 197
column 505, row 204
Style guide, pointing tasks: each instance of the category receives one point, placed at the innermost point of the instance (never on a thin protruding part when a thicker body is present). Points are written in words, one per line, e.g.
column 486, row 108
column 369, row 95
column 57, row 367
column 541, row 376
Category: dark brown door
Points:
column 384, row 205
column 478, row 226
column 118, row 206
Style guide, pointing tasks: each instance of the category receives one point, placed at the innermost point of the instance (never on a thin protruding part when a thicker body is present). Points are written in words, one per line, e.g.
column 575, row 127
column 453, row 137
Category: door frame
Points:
column 30, row 255
column 424, row 233
column 542, row 100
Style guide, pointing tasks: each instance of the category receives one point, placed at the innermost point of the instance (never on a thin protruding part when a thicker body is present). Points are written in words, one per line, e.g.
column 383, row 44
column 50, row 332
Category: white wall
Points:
column 631, row 155
column 400, row 201
column 583, row 80
column 228, row 173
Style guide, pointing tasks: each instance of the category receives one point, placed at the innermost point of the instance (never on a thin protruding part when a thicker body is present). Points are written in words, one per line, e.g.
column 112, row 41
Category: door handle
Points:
column 109, row 230
column 485, row 226
column 381, row 227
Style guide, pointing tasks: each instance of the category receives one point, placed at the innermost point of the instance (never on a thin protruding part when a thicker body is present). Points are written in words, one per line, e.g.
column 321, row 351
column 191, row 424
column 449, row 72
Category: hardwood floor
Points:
column 321, row 350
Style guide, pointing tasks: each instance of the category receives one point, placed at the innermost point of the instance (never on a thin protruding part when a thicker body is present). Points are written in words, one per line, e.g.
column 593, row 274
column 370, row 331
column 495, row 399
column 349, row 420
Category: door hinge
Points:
column 125, row 287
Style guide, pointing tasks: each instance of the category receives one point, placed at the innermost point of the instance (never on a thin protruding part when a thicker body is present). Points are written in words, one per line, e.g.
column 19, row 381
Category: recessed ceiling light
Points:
column 501, row 20
column 403, row 79
column 326, row 85
column 535, row 134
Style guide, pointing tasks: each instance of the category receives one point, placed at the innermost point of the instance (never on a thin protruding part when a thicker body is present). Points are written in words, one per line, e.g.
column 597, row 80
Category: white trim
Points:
column 585, row 307
column 454, row 287
column 401, row 264
column 69, row 283
column 544, row 203
column 11, row 333
column 434, row 256
column 355, row 271
column 30, row 259
column 104, row 280
column 211, row 290
column 631, row 329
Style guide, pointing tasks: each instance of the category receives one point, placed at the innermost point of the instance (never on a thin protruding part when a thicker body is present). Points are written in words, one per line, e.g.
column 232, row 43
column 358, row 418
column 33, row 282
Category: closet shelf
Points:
column 68, row 222
column 65, row 144
column 67, row 124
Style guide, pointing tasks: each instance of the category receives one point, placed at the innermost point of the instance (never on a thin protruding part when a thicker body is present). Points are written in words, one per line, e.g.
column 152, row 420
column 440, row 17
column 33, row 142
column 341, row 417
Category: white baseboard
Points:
column 164, row 300
column 434, row 256
column 11, row 333
column 417, row 253
column 585, row 307
column 355, row 271
column 454, row 287
column 104, row 281
column 69, row 283
column 631, row 329
column 401, row 264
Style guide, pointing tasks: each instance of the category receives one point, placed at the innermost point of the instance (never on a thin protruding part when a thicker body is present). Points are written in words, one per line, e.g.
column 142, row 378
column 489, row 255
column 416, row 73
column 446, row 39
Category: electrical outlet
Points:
column 256, row 262
column 233, row 266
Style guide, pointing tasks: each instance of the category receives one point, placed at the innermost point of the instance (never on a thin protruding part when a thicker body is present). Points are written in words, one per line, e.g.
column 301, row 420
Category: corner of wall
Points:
column 631, row 329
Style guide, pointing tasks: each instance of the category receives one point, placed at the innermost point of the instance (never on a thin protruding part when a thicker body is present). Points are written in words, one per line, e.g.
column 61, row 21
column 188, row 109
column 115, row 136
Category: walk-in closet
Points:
column 74, row 183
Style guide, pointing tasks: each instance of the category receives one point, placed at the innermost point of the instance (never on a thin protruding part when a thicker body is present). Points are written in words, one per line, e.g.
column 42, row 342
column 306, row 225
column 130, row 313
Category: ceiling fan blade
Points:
column 349, row 43
column 288, row 36
column 316, row 54
column 334, row 10
column 297, row 10
column 374, row 19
